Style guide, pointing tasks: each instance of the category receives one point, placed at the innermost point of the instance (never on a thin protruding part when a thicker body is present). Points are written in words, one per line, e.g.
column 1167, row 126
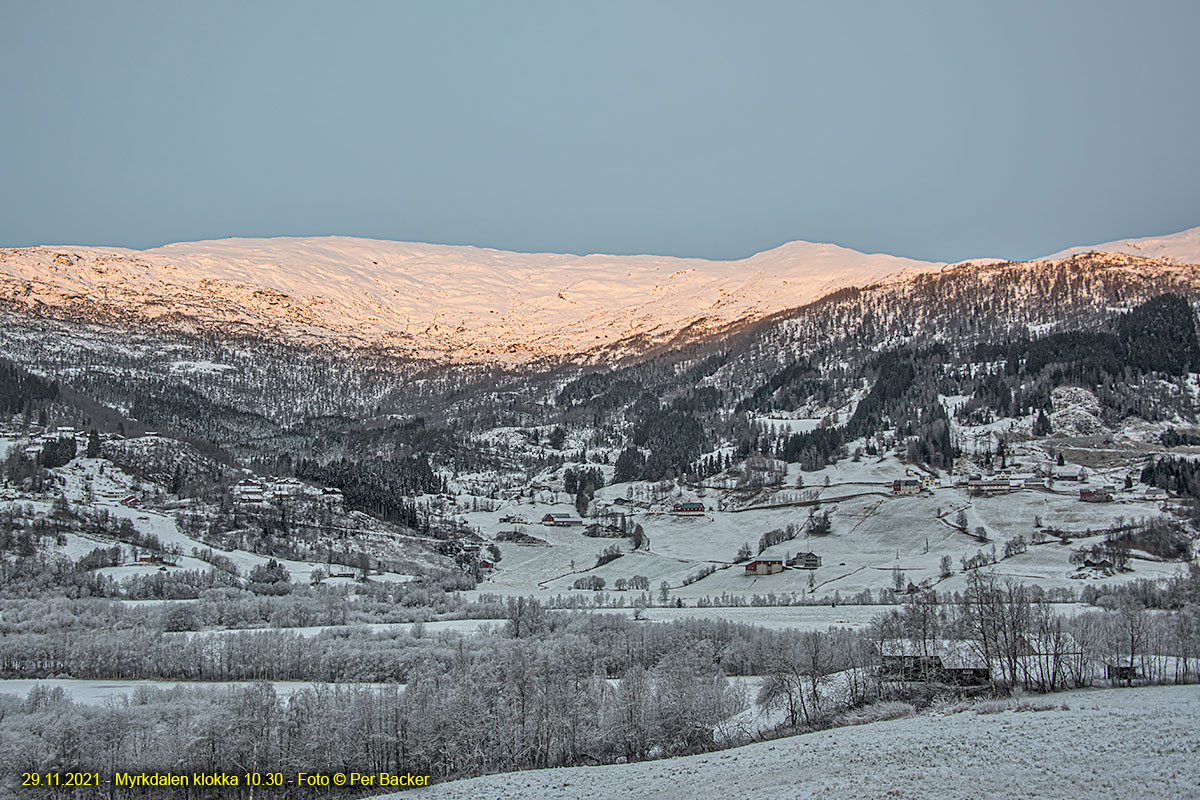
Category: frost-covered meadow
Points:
column 1104, row 744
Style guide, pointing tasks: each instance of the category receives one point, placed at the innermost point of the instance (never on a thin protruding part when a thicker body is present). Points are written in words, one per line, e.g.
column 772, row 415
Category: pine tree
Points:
column 93, row 444
column 1041, row 425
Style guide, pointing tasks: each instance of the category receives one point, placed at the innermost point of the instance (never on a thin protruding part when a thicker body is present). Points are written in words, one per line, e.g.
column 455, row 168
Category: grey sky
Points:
column 932, row 130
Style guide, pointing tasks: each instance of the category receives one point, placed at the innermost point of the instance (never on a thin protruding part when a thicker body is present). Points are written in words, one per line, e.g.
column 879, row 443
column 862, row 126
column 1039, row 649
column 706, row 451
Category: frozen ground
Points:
column 90, row 692
column 1109, row 743
column 804, row 618
column 873, row 534
column 801, row 618
column 776, row 618
column 464, row 626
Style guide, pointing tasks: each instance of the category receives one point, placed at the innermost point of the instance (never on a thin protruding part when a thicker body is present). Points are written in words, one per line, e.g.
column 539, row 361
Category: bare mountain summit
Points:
column 435, row 301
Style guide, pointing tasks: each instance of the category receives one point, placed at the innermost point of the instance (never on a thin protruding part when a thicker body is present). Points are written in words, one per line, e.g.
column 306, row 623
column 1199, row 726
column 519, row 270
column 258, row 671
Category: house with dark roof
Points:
column 804, row 561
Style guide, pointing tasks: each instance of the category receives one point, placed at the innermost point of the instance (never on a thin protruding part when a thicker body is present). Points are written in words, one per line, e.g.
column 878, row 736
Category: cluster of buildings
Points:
column 1001, row 483
column 773, row 566
column 910, row 486
column 1004, row 481
column 1097, row 494
column 254, row 492
column 683, row 509
column 962, row 662
column 52, row 435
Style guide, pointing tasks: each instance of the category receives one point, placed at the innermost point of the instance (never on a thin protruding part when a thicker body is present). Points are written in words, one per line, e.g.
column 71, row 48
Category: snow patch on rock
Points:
column 1076, row 412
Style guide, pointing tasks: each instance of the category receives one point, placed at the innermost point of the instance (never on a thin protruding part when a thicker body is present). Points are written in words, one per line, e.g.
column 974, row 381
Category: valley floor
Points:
column 1108, row 743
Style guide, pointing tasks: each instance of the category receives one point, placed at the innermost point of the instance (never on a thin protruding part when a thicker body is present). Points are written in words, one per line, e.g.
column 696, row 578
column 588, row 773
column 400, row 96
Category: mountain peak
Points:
column 1176, row 248
column 440, row 301
column 457, row 302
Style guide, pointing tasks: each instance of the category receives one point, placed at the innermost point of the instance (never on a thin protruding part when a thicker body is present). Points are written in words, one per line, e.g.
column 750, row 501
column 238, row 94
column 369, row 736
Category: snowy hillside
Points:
column 1046, row 747
column 455, row 303
column 435, row 301
column 1176, row 248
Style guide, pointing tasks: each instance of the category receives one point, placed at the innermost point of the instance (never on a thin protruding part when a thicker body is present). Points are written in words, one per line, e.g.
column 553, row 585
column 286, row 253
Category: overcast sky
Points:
column 940, row 131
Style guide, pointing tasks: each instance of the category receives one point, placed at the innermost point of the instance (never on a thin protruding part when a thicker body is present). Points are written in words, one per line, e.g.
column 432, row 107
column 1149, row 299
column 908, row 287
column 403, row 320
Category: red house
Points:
column 765, row 566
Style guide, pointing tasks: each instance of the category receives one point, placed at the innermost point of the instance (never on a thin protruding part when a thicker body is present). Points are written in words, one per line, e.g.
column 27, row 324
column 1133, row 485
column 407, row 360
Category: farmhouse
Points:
column 284, row 488
column 961, row 664
column 989, row 485
column 906, row 660
column 248, row 491
column 804, row 561
column 1102, row 495
column 688, row 509
column 903, row 486
column 943, row 660
column 1155, row 493
column 765, row 566
column 332, row 498
column 561, row 520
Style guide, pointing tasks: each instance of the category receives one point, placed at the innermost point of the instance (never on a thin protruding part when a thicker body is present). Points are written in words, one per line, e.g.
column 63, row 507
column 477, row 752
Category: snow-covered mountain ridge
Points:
column 441, row 302
column 1176, row 248
column 461, row 303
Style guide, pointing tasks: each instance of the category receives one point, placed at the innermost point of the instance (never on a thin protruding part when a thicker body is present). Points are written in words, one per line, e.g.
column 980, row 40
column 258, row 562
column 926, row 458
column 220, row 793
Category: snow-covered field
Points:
column 873, row 535
column 96, row 692
column 802, row 618
column 778, row 618
column 464, row 626
column 1109, row 743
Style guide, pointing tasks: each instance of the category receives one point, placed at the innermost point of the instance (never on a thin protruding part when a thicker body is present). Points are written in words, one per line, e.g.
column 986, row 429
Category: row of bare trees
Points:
column 1012, row 636
column 548, row 688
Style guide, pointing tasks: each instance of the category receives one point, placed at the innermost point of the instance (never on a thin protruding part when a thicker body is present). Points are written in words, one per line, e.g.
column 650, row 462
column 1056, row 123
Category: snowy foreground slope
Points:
column 1111, row 743
column 447, row 302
